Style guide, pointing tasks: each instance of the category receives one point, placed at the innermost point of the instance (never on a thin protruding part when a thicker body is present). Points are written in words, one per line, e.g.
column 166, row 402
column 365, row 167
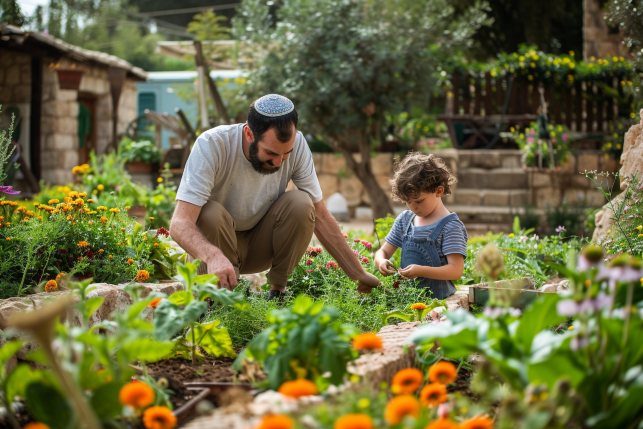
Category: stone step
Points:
column 489, row 159
column 500, row 178
column 491, row 197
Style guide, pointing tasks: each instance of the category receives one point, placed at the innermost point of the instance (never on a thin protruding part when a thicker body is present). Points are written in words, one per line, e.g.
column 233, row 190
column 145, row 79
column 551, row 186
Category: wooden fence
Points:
column 484, row 101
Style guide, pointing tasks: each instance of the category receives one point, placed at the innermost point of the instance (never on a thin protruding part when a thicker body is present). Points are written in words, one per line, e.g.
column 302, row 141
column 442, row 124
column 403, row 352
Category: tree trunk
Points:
column 380, row 203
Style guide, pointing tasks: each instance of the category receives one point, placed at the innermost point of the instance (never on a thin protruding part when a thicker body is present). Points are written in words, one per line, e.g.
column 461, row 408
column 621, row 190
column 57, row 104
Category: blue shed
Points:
column 164, row 92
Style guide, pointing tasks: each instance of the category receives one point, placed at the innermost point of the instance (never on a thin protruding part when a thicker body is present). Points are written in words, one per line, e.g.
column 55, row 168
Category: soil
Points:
column 179, row 371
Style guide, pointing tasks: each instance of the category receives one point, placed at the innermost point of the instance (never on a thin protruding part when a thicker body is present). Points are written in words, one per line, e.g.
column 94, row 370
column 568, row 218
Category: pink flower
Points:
column 309, row 261
column 331, row 264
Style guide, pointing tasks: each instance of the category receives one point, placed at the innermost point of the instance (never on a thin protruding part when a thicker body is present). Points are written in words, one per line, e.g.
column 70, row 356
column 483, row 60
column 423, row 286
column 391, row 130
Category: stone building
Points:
column 65, row 100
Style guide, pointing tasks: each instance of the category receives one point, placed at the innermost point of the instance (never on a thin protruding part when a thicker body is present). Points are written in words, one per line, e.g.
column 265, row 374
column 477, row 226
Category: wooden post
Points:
column 116, row 80
column 214, row 92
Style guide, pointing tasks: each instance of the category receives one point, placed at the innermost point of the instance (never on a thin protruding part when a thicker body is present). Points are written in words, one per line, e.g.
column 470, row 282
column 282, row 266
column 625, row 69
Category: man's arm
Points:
column 185, row 232
column 328, row 233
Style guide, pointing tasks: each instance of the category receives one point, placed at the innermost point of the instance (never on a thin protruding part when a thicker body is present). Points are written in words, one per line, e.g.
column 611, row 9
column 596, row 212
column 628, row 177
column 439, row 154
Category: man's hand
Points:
column 366, row 282
column 221, row 266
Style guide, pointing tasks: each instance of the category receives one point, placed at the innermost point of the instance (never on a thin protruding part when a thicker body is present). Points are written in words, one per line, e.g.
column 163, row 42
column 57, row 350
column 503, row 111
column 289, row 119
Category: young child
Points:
column 433, row 240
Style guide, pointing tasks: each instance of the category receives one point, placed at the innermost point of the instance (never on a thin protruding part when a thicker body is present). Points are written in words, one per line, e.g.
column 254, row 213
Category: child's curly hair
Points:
column 419, row 172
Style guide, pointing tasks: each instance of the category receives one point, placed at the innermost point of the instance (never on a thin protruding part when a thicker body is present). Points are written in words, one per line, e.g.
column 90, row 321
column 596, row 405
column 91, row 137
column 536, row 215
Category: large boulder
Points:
column 631, row 165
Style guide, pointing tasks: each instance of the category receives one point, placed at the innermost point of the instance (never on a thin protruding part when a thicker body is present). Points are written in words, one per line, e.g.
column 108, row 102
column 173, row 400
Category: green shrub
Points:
column 142, row 151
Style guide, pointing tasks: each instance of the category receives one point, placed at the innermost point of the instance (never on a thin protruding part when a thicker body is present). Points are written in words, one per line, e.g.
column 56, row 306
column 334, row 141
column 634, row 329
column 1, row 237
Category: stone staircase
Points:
column 492, row 189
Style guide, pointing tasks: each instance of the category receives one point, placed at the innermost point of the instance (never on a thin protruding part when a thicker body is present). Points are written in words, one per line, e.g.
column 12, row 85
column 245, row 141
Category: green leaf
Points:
column 105, row 401
column 560, row 364
column 8, row 350
column 397, row 314
column 540, row 315
column 17, row 382
column 47, row 405
column 182, row 297
column 91, row 305
column 147, row 349
column 214, row 339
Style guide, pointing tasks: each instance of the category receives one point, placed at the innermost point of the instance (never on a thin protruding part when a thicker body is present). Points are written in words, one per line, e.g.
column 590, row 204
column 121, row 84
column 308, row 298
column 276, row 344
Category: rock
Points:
column 631, row 165
column 548, row 288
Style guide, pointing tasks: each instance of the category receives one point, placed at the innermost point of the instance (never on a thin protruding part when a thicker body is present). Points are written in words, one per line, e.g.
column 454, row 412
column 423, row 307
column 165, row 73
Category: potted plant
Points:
column 140, row 156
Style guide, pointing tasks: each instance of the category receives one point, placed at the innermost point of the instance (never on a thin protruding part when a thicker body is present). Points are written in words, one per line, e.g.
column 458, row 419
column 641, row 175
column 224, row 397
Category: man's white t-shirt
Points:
column 218, row 170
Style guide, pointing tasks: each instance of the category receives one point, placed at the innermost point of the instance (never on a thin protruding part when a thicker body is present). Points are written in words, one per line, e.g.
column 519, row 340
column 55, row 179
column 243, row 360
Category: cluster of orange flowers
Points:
column 138, row 396
column 403, row 404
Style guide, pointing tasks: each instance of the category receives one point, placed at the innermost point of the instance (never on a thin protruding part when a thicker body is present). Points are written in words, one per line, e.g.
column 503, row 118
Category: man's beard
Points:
column 263, row 167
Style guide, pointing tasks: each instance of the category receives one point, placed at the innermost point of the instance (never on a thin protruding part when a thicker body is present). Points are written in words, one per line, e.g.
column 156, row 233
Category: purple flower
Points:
column 8, row 190
column 560, row 229
column 602, row 301
column 567, row 307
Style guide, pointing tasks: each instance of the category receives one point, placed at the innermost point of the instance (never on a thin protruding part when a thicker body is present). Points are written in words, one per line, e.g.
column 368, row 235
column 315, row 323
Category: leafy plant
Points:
column 304, row 341
column 543, row 146
column 142, row 151
column 177, row 317
column 6, row 150
column 539, row 351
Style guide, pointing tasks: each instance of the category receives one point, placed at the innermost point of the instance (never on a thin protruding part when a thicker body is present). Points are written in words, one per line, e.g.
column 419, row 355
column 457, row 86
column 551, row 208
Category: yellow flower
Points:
column 298, row 388
column 82, row 243
column 443, row 372
column 159, row 180
column 100, row 187
column 367, row 341
column 363, row 403
column 130, row 261
column 418, row 306
column 136, row 394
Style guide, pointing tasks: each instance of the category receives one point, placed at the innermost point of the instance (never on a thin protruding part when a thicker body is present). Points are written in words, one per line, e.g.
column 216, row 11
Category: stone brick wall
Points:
column 597, row 40
column 15, row 78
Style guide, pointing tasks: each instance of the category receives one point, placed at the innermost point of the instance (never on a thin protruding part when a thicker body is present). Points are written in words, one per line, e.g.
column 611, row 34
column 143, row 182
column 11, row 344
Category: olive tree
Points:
column 347, row 64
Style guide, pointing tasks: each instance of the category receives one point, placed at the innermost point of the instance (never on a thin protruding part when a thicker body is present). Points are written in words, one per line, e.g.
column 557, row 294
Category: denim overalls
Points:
column 420, row 246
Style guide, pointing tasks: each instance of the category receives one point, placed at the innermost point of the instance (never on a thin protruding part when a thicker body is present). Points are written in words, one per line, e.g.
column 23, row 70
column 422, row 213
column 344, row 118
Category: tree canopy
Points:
column 347, row 64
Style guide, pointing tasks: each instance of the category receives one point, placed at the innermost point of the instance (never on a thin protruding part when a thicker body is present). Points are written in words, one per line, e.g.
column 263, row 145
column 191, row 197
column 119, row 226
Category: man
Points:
column 233, row 211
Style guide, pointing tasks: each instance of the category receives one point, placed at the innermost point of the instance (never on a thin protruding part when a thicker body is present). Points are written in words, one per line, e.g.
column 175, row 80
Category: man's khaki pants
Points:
column 277, row 242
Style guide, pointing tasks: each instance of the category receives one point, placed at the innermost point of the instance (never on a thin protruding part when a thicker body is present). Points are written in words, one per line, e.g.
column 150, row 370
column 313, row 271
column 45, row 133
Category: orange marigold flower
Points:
column 442, row 424
column 275, row 421
column 443, row 372
column 60, row 275
column 406, row 381
column 418, row 306
column 479, row 422
column 159, row 418
column 130, row 261
column 354, row 421
column 298, row 388
column 433, row 394
column 155, row 302
column 82, row 243
column 35, row 425
column 142, row 276
column 367, row 341
column 136, row 394
column 399, row 407
column 51, row 286
column 103, row 219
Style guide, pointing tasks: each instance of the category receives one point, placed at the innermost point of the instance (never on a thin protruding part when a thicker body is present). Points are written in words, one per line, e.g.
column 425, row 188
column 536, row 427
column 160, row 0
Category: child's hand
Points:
column 410, row 271
column 386, row 267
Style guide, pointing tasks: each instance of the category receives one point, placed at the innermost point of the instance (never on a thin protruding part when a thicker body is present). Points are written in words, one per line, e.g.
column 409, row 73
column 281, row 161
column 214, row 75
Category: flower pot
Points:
column 69, row 78
column 139, row 167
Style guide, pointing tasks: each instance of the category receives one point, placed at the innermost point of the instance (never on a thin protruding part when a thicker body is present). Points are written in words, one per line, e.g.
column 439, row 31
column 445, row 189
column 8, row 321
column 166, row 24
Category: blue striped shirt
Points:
column 452, row 240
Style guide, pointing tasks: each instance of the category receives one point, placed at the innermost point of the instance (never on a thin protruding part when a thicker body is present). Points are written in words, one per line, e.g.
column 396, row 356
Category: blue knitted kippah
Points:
column 273, row 105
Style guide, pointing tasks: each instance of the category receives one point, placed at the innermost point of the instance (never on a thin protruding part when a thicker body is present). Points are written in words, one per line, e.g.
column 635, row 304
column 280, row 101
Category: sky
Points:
column 28, row 6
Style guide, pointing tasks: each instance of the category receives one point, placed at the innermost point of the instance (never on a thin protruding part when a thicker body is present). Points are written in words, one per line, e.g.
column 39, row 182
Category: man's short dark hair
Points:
column 259, row 124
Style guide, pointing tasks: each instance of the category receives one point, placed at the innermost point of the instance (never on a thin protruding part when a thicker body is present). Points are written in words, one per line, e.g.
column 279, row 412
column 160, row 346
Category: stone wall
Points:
column 335, row 176
column 597, row 40
column 568, row 184
column 15, row 78
column 548, row 188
